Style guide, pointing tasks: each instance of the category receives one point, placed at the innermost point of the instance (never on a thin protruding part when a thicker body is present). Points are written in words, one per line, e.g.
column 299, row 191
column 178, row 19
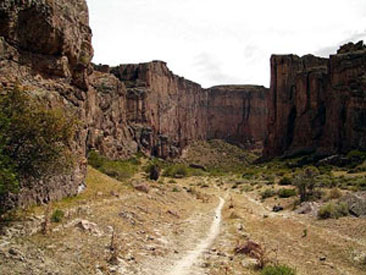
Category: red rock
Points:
column 237, row 113
column 317, row 104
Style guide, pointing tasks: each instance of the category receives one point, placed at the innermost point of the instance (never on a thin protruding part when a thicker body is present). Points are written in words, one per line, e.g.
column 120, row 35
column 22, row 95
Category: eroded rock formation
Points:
column 317, row 104
column 236, row 114
column 165, row 111
column 314, row 104
column 45, row 46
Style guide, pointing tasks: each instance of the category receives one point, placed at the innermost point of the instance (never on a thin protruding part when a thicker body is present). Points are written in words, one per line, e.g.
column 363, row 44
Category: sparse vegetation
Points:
column 334, row 193
column 57, row 216
column 118, row 169
column 333, row 210
column 305, row 182
column 219, row 157
column 278, row 270
column 255, row 251
column 285, row 181
column 176, row 171
column 34, row 141
column 286, row 193
column 268, row 193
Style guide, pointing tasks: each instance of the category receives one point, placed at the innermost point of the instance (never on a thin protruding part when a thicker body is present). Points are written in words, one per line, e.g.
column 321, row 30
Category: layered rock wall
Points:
column 45, row 47
column 317, row 104
column 165, row 111
column 236, row 114
column 314, row 104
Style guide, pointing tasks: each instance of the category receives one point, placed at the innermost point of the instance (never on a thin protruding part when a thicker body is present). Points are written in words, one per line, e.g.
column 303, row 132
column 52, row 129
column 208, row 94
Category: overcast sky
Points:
column 216, row 42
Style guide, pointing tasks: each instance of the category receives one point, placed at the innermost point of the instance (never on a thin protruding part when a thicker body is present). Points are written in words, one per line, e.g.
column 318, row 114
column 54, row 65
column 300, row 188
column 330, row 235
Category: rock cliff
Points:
column 45, row 46
column 236, row 114
column 165, row 111
column 317, row 104
column 314, row 104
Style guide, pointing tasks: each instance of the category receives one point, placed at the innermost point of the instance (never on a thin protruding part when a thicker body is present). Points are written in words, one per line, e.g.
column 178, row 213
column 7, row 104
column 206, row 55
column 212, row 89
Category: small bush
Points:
column 118, row 169
column 35, row 141
column 176, row 171
column 333, row 210
column 175, row 189
column 286, row 193
column 285, row 181
column 305, row 182
column 334, row 193
column 357, row 154
column 268, row 193
column 57, row 215
column 95, row 160
column 278, row 270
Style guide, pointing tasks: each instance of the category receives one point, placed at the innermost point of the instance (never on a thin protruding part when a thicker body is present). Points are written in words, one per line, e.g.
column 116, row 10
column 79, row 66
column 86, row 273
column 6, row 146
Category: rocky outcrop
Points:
column 108, row 128
column 317, row 104
column 45, row 46
column 165, row 111
column 236, row 114
column 54, row 36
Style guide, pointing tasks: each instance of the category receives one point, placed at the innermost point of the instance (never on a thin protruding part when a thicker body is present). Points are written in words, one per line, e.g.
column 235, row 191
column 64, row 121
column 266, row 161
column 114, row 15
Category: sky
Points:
column 215, row 42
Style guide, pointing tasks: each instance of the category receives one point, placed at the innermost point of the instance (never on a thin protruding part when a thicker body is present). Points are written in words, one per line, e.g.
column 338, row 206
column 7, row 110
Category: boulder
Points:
column 197, row 166
column 154, row 172
column 356, row 203
column 143, row 187
column 89, row 227
column 277, row 208
column 308, row 207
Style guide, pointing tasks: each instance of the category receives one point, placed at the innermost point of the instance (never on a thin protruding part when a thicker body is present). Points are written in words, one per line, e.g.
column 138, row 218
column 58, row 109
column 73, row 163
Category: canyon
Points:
column 313, row 104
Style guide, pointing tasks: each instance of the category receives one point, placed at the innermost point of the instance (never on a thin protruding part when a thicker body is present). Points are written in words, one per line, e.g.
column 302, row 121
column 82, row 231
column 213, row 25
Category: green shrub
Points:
column 278, row 270
column 334, row 193
column 357, row 154
column 34, row 141
column 305, row 182
column 95, row 159
column 118, row 169
column 286, row 193
column 267, row 193
column 57, row 215
column 176, row 171
column 285, row 181
column 333, row 210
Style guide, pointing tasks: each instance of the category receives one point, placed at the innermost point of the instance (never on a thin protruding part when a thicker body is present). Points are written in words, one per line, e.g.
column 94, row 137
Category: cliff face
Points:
column 317, row 104
column 236, row 114
column 314, row 104
column 166, row 112
column 45, row 47
column 108, row 128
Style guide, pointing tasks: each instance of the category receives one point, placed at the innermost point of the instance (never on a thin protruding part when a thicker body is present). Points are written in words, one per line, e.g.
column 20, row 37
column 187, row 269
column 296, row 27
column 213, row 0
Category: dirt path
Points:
column 182, row 227
column 183, row 266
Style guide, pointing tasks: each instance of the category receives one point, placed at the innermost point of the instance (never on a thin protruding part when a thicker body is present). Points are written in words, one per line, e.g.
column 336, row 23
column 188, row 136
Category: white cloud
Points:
column 215, row 41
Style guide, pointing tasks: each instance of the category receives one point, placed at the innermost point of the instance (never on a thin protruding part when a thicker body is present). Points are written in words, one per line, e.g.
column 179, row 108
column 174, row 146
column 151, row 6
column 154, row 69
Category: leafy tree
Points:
column 34, row 141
